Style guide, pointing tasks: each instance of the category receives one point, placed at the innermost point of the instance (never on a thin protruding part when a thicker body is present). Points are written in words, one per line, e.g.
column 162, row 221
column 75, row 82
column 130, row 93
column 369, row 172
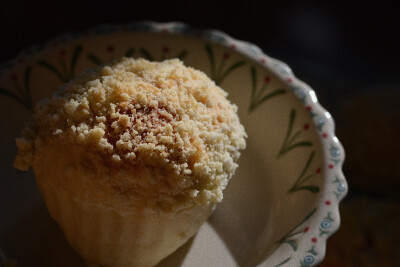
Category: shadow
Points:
column 243, row 218
column 176, row 259
column 36, row 240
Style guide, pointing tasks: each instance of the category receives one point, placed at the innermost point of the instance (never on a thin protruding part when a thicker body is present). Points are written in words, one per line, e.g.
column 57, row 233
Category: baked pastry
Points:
column 131, row 157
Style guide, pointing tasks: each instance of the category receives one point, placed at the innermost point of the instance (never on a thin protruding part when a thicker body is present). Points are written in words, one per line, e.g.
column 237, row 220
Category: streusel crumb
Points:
column 161, row 116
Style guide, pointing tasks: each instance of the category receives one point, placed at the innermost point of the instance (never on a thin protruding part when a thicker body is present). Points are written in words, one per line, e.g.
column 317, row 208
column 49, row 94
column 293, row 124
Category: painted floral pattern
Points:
column 290, row 237
column 261, row 94
column 65, row 70
column 22, row 93
column 300, row 183
column 221, row 66
column 292, row 139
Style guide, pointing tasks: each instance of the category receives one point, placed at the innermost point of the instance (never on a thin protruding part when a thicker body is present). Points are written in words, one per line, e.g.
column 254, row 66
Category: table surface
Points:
column 347, row 53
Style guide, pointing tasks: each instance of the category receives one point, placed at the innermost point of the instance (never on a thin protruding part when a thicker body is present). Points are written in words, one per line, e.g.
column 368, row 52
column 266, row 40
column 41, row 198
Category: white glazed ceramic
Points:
column 280, row 207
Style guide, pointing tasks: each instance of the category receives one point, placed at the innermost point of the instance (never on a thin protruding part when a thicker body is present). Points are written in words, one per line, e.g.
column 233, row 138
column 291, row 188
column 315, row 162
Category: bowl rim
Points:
column 285, row 74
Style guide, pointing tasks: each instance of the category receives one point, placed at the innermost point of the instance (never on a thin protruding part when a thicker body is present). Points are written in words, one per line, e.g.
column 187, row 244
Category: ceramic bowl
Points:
column 280, row 207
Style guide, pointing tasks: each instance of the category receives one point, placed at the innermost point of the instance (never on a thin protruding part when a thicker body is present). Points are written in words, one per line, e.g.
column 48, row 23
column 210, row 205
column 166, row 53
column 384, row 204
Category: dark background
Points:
column 348, row 52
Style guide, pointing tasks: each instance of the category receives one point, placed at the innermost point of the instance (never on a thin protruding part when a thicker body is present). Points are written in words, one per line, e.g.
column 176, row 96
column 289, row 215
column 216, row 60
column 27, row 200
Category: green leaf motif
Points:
column 292, row 243
column 53, row 69
column 313, row 251
column 130, row 52
column 23, row 96
column 291, row 139
column 329, row 217
column 181, row 55
column 303, row 177
column 64, row 72
column 146, row 54
column 74, row 59
column 92, row 57
column 221, row 75
column 258, row 96
column 220, row 72
column 283, row 262
column 12, row 95
column 288, row 238
column 211, row 59
column 323, row 232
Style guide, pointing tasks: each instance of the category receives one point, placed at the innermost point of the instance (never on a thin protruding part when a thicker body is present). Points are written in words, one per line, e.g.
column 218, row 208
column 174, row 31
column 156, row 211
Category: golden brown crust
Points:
column 162, row 115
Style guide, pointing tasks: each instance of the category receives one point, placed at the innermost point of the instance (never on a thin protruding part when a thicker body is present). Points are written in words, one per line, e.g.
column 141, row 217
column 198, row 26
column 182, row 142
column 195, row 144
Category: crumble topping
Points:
column 161, row 115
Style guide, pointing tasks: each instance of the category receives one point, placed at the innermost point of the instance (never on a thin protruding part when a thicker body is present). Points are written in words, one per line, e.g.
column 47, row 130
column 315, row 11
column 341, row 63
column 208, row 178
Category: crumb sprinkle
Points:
column 162, row 115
